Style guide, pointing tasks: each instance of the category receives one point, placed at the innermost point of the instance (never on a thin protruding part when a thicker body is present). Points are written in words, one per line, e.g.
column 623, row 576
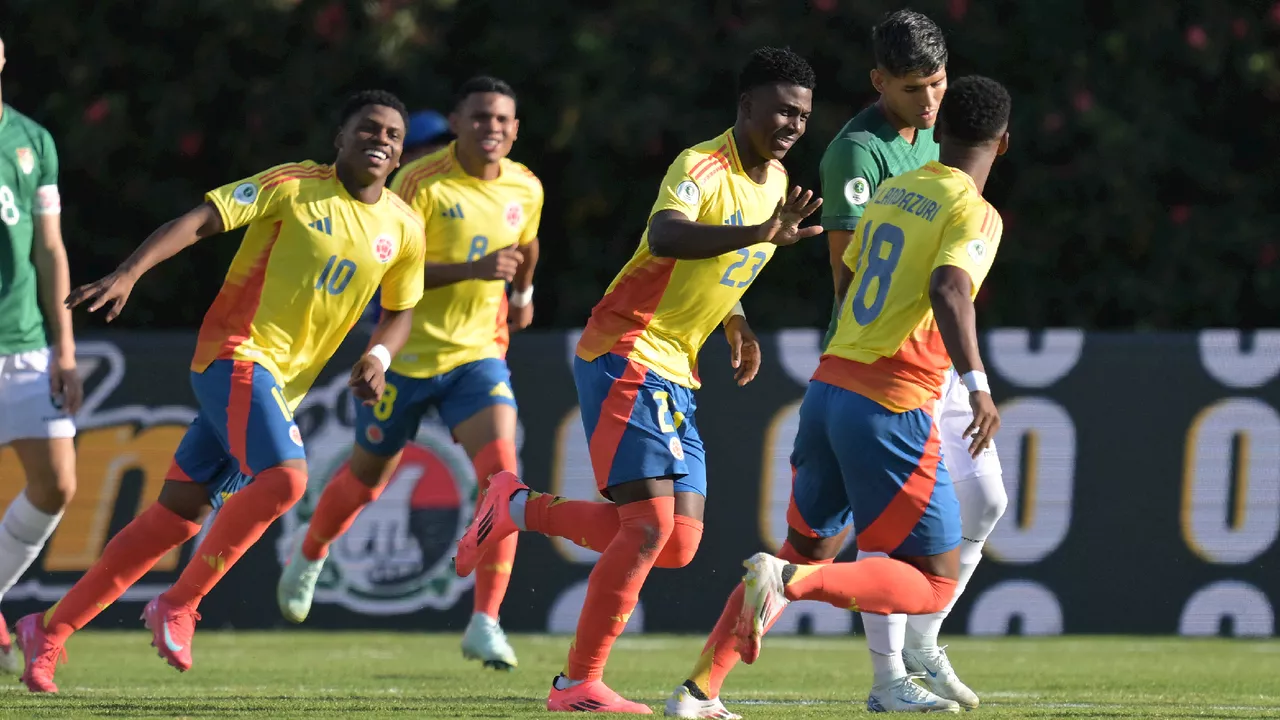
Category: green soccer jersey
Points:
column 28, row 187
column 866, row 152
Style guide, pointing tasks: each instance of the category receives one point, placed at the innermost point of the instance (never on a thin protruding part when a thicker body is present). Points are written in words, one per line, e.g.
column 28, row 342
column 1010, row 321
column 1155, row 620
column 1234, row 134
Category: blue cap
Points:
column 425, row 126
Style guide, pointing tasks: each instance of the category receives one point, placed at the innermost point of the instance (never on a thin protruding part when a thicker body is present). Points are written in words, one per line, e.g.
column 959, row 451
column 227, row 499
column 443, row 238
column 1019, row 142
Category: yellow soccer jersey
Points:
column 659, row 311
column 466, row 218
column 887, row 346
column 307, row 267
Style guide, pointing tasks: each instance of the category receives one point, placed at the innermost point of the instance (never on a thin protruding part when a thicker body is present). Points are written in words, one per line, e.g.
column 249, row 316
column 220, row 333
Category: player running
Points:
column 40, row 390
column 867, row 449
column 320, row 239
column 722, row 210
column 481, row 212
column 892, row 137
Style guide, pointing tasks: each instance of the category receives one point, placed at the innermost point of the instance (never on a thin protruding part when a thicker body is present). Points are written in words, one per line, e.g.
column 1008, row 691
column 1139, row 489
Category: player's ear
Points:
column 454, row 122
column 744, row 104
column 877, row 80
column 1004, row 144
column 515, row 129
column 337, row 140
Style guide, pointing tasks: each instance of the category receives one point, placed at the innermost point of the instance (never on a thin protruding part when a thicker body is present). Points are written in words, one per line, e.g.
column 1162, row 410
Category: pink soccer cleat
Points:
column 10, row 662
column 42, row 654
column 592, row 696
column 172, row 629
column 492, row 522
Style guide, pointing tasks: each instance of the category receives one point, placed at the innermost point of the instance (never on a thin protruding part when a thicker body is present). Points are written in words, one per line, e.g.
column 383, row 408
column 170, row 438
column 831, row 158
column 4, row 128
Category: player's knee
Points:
column 283, row 485
column 53, row 496
column 652, row 520
column 682, row 546
column 983, row 501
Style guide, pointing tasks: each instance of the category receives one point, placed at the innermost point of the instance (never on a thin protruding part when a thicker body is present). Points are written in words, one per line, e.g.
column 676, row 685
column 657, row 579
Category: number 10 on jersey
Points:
column 336, row 275
column 881, row 252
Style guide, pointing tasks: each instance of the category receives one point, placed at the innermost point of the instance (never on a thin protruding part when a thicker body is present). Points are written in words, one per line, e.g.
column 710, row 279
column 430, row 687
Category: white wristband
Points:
column 976, row 381
column 382, row 355
column 521, row 298
column 736, row 311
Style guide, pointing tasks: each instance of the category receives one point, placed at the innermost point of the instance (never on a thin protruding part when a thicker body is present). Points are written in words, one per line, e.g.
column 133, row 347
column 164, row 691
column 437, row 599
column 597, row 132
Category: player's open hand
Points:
column 744, row 349
column 66, row 387
column 784, row 227
column 498, row 265
column 111, row 291
column 986, row 421
column 367, row 380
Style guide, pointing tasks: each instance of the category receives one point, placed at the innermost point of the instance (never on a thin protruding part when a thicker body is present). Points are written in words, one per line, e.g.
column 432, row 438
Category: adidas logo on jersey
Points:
column 735, row 219
column 455, row 212
column 324, row 225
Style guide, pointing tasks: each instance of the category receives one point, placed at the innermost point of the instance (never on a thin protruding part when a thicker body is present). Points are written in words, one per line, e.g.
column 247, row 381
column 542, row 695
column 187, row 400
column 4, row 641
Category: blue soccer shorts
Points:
column 639, row 425
column 385, row 427
column 243, row 427
column 856, row 461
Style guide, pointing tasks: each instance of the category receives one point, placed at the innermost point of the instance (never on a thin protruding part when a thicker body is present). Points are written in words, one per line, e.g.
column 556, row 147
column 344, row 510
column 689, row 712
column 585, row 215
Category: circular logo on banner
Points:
column 514, row 215
column 397, row 557
column 245, row 193
column 384, row 247
column 857, row 191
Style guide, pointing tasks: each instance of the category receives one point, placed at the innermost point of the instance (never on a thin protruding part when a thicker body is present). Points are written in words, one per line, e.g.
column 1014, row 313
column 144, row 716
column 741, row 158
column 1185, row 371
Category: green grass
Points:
column 336, row 674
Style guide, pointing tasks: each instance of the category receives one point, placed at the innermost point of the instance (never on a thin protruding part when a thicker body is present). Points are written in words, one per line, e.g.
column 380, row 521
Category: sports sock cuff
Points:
column 27, row 523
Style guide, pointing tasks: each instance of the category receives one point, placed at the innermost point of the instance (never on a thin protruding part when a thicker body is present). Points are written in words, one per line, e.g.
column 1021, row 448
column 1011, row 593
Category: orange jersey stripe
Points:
column 310, row 175
column 403, row 207
column 229, row 321
column 417, row 175
column 289, row 168
column 705, row 162
column 502, row 334
column 622, row 315
column 615, row 414
column 238, row 405
column 720, row 165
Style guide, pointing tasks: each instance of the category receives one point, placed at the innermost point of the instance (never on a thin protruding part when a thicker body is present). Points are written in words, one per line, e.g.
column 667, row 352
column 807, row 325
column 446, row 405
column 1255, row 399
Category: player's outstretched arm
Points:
column 368, row 376
column 673, row 235
column 168, row 240
column 950, row 294
column 498, row 265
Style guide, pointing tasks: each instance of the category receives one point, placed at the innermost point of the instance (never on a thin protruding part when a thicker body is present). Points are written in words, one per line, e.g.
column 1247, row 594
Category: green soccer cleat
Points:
column 297, row 586
column 485, row 641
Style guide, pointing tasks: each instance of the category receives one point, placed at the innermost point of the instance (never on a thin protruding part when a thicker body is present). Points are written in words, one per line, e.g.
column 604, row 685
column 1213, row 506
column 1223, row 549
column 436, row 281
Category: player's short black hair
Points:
column 483, row 84
column 768, row 65
column 365, row 98
column 907, row 42
column 975, row 110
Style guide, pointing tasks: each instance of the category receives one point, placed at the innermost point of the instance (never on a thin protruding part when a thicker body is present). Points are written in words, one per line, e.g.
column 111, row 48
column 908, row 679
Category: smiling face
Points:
column 371, row 142
column 486, row 126
column 775, row 116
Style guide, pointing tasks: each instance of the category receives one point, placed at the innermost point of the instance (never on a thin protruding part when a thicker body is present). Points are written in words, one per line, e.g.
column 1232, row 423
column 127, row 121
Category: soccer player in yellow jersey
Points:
column 721, row 211
column 320, row 240
column 481, row 212
column 867, row 449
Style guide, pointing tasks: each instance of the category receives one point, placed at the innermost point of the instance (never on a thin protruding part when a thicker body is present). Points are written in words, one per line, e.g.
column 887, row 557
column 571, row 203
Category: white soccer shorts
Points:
column 952, row 422
column 26, row 405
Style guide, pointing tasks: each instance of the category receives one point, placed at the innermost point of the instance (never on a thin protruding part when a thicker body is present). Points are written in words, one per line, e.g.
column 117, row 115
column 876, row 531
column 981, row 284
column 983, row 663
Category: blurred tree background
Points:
column 1137, row 192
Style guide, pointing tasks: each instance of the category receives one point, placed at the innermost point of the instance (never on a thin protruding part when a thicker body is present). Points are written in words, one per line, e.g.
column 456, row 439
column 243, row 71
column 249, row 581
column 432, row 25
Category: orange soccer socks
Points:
column 614, row 585
column 593, row 525
column 720, row 654
column 493, row 574
column 878, row 585
column 342, row 500
column 130, row 554
column 237, row 526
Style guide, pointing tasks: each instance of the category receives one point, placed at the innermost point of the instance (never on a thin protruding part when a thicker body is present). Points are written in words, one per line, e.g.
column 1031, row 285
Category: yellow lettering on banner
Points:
column 103, row 457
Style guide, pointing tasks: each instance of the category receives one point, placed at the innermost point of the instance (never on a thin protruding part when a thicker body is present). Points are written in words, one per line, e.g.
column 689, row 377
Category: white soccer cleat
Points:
column 297, row 586
column 485, row 641
column 933, row 665
column 683, row 704
column 764, row 600
column 903, row 695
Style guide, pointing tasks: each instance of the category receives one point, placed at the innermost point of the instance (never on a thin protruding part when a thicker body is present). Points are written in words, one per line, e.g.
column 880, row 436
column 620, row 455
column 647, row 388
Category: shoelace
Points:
column 184, row 619
column 912, row 691
column 52, row 655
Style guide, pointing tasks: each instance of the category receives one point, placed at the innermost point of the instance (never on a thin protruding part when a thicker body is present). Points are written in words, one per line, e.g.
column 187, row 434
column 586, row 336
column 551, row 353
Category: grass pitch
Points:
column 374, row 675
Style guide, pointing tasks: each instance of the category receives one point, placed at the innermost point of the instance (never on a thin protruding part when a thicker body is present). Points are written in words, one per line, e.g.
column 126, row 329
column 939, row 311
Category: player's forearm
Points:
column 524, row 274
column 685, row 240
column 392, row 331
column 172, row 238
column 54, row 275
column 957, row 322
column 837, row 242
column 441, row 274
